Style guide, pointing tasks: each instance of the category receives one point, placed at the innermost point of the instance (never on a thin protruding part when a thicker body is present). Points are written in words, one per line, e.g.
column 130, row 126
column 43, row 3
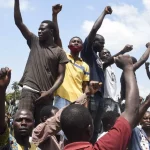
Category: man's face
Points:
column 104, row 55
column 44, row 32
column 23, row 123
column 75, row 45
column 76, row 42
column 145, row 122
column 98, row 43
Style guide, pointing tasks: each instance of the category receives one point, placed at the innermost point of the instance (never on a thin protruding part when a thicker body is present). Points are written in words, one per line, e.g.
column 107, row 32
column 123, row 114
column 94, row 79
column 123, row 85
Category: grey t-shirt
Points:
column 41, row 70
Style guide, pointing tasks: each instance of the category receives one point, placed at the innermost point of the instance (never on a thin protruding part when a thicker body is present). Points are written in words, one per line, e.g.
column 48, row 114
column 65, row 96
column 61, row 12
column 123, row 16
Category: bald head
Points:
column 98, row 43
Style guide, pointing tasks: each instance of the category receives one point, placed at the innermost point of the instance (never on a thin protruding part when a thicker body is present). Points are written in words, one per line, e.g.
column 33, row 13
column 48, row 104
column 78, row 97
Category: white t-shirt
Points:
column 110, row 85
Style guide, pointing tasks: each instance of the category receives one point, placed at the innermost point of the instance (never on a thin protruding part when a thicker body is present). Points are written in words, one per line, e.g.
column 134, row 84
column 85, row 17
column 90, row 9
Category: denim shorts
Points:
column 60, row 102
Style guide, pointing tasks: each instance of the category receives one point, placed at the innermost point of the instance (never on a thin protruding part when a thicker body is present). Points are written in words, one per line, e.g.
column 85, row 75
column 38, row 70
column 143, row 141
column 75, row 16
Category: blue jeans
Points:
column 96, row 108
column 60, row 102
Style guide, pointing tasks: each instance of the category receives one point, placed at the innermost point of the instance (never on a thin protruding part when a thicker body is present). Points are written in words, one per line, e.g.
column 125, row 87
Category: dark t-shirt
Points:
column 41, row 70
column 96, row 67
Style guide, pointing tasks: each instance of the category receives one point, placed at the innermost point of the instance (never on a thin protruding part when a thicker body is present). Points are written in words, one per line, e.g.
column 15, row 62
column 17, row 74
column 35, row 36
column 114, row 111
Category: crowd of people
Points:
column 69, row 101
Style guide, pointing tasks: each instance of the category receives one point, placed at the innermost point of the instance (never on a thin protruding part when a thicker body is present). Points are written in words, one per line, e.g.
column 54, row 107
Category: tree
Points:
column 15, row 87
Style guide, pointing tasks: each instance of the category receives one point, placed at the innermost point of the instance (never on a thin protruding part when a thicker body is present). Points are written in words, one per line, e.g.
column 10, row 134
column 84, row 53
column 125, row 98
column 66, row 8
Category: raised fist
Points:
column 128, row 48
column 5, row 75
column 108, row 10
column 56, row 8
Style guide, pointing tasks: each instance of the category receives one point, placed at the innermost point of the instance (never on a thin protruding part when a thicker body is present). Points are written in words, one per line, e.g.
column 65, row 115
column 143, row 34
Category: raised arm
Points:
column 98, row 24
column 56, row 9
column 109, row 62
column 147, row 69
column 143, row 59
column 132, row 93
column 60, row 78
column 18, row 21
column 143, row 108
column 5, row 75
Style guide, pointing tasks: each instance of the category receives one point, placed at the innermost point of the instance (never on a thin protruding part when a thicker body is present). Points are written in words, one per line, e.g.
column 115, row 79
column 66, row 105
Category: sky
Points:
column 128, row 24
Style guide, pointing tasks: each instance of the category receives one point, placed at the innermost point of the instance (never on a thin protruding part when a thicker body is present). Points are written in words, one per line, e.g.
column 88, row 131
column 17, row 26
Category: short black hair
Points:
column 99, row 36
column 109, row 117
column 51, row 25
column 47, row 111
column 103, row 50
column 134, row 60
column 74, row 121
column 75, row 37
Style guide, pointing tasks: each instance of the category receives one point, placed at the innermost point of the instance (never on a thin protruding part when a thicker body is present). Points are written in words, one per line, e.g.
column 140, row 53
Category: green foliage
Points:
column 15, row 94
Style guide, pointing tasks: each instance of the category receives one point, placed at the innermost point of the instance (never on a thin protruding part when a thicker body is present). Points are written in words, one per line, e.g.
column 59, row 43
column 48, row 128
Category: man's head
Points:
column 145, row 122
column 109, row 118
column 77, row 124
column 47, row 112
column 23, row 123
column 75, row 45
column 98, row 43
column 47, row 30
column 104, row 54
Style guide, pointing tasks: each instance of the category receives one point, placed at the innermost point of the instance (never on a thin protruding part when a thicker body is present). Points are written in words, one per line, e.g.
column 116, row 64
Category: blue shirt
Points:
column 95, row 64
column 139, row 140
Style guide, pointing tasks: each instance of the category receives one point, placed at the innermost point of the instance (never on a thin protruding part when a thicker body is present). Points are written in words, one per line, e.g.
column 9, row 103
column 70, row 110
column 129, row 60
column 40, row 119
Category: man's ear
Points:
column 45, row 118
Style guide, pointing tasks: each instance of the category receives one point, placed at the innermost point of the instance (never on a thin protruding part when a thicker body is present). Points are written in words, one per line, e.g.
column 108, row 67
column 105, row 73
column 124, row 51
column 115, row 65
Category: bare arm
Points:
column 18, row 21
column 132, row 97
column 132, row 93
column 5, row 75
column 60, row 78
column 143, row 108
column 2, row 108
column 56, row 9
column 147, row 69
column 97, row 25
column 84, row 85
column 49, row 94
column 109, row 62
column 143, row 59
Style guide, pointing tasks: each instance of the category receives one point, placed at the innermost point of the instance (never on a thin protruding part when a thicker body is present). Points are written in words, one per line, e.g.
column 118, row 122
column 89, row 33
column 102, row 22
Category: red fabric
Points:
column 116, row 139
